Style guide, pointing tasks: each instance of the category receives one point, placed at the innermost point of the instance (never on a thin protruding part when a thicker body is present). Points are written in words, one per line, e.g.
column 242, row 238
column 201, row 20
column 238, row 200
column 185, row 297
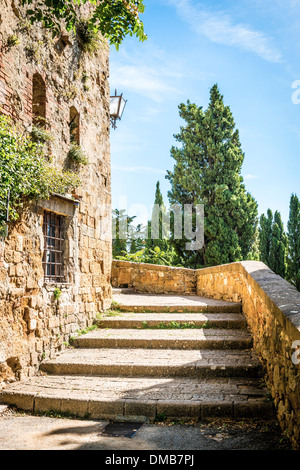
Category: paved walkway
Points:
column 24, row 432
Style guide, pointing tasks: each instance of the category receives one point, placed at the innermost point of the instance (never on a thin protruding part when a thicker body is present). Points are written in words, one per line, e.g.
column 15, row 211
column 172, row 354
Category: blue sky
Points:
column 251, row 50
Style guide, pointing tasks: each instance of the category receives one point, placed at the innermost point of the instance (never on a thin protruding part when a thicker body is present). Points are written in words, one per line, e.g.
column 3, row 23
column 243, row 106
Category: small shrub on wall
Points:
column 77, row 155
column 25, row 173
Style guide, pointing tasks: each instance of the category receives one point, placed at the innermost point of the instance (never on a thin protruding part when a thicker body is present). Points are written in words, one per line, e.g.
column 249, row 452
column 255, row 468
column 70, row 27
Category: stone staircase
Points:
column 158, row 356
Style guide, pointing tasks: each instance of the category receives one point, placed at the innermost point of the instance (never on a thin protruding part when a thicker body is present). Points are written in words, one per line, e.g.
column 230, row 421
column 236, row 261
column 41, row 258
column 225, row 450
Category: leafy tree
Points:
column 293, row 234
column 25, row 173
column 208, row 171
column 265, row 232
column 137, row 236
column 155, row 256
column 278, row 247
column 114, row 19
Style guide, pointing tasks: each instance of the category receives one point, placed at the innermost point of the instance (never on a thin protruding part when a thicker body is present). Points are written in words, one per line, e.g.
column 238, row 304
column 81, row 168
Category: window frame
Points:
column 53, row 254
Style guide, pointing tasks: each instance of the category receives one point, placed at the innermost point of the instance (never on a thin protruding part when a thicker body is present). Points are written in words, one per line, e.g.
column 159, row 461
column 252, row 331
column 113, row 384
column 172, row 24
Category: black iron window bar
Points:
column 53, row 247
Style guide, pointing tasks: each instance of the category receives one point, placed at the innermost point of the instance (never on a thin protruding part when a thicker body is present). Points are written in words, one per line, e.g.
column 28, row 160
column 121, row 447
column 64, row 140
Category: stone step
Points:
column 212, row 308
column 139, row 302
column 119, row 398
column 152, row 320
column 166, row 339
column 154, row 362
column 123, row 290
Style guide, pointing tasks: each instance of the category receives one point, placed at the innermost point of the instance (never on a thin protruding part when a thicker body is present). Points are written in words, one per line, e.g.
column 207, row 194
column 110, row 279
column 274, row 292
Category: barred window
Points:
column 53, row 230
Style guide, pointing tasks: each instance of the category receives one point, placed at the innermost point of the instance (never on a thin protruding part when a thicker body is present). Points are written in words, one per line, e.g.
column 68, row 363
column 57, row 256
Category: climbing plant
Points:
column 25, row 173
column 113, row 19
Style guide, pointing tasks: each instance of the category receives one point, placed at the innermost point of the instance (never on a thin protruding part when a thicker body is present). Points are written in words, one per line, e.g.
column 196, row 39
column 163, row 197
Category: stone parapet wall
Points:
column 272, row 309
column 152, row 278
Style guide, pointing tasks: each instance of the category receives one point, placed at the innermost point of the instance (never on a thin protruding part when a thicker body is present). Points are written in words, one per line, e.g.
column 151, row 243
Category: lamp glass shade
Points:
column 114, row 106
column 122, row 106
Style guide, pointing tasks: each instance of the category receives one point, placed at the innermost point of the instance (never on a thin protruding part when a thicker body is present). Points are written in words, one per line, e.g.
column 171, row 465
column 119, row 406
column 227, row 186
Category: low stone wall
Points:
column 272, row 309
column 152, row 278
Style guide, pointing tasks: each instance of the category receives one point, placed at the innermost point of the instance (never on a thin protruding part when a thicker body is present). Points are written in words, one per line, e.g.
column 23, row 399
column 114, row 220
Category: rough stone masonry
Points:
column 54, row 79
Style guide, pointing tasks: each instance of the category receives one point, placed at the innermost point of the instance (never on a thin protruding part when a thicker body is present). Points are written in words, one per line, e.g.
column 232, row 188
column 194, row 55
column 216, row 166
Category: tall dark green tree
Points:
column 293, row 234
column 278, row 247
column 207, row 171
column 158, row 226
column 265, row 233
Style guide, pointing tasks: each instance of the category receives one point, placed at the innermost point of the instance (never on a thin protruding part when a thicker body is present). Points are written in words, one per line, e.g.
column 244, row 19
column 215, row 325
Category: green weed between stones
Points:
column 83, row 332
column 176, row 325
column 108, row 313
column 115, row 305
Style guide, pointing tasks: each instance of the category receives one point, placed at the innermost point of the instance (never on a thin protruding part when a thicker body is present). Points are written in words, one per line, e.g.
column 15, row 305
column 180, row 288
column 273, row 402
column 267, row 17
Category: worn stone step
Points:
column 120, row 398
column 154, row 362
column 138, row 302
column 233, row 308
column 166, row 339
column 152, row 320
column 122, row 290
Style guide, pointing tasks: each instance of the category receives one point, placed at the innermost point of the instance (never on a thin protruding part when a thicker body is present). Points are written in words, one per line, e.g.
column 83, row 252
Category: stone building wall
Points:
column 34, row 323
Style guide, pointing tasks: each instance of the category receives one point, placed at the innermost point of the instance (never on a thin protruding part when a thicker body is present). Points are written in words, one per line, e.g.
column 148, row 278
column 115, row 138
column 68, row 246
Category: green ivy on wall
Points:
column 25, row 173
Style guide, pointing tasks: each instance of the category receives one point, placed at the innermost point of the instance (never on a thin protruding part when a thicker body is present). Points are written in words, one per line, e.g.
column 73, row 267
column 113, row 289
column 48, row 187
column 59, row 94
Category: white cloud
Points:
column 251, row 177
column 138, row 169
column 221, row 29
column 147, row 81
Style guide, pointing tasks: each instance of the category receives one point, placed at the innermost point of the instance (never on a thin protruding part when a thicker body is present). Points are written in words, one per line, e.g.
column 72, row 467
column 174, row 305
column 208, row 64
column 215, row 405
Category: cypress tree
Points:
column 265, row 232
column 293, row 234
column 278, row 247
column 208, row 171
column 158, row 222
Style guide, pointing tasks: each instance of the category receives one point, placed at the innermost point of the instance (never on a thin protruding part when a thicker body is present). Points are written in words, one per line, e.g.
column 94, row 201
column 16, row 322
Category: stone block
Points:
column 100, row 409
column 75, row 406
